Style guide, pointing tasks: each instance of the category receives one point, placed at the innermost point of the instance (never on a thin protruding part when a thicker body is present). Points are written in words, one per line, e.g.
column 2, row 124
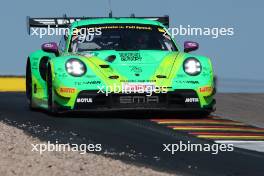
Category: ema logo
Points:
column 84, row 100
column 191, row 100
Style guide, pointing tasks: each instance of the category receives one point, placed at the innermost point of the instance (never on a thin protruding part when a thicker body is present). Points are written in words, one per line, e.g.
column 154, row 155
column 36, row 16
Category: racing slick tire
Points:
column 29, row 85
column 51, row 104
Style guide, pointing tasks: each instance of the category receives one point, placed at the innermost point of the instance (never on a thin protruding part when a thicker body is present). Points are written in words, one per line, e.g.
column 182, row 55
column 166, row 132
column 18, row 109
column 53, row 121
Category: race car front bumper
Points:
column 178, row 100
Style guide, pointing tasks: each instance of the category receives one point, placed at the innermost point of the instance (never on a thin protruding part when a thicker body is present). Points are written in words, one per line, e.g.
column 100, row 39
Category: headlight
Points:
column 75, row 67
column 192, row 66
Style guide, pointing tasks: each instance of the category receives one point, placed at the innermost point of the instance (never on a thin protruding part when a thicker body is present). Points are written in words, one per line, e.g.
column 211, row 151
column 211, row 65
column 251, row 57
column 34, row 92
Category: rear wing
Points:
column 64, row 22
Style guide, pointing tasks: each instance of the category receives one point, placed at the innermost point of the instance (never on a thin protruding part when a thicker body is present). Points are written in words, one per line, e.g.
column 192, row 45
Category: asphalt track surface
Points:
column 132, row 138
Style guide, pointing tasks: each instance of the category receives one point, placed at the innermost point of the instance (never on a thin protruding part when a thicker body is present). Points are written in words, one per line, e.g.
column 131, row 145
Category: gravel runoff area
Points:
column 17, row 158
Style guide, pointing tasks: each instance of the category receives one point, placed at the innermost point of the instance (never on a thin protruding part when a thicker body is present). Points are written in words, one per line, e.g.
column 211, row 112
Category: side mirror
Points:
column 51, row 47
column 190, row 46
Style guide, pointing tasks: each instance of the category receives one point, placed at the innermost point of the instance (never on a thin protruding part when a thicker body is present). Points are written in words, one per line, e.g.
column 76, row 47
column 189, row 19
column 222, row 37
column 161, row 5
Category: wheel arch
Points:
column 38, row 73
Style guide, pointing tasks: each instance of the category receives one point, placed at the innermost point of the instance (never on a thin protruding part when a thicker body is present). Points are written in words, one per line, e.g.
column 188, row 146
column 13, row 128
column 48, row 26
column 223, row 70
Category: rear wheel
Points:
column 51, row 105
column 29, row 84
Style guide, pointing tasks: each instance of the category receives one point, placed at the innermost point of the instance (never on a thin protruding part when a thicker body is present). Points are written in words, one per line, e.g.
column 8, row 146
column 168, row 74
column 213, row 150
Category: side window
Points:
column 62, row 44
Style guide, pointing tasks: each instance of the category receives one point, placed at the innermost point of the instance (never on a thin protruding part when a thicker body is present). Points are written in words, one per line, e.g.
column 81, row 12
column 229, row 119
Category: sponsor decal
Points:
column 138, row 87
column 130, row 57
column 191, row 100
column 126, row 27
column 137, row 80
column 206, row 89
column 187, row 82
column 67, row 90
column 84, row 100
column 87, row 83
column 138, row 99
column 135, row 69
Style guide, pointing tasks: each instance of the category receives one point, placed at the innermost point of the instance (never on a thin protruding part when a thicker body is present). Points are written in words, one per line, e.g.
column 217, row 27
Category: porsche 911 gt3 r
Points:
column 118, row 64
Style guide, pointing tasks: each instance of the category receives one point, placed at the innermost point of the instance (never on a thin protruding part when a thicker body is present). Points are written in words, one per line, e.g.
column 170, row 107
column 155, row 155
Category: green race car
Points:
column 116, row 64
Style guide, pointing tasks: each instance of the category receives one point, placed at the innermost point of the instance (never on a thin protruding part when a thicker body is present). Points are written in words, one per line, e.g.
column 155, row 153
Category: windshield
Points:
column 121, row 37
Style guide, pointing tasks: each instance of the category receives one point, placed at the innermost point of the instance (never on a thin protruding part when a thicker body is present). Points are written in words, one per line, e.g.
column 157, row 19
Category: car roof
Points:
column 115, row 20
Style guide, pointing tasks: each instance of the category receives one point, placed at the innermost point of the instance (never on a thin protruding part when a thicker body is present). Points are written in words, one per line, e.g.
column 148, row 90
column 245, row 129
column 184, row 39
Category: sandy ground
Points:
column 17, row 158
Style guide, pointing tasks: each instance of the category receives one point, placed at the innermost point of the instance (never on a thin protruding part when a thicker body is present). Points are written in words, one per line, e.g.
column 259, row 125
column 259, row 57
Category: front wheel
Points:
column 29, row 84
column 51, row 105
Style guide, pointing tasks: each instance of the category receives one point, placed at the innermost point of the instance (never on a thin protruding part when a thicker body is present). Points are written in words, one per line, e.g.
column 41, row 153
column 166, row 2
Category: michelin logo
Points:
column 191, row 100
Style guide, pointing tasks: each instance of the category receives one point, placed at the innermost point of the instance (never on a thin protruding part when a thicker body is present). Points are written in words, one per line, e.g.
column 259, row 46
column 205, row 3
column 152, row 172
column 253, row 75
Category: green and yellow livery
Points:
column 116, row 64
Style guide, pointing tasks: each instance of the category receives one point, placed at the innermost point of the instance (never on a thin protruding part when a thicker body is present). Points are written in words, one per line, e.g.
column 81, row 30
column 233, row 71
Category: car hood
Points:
column 134, row 65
